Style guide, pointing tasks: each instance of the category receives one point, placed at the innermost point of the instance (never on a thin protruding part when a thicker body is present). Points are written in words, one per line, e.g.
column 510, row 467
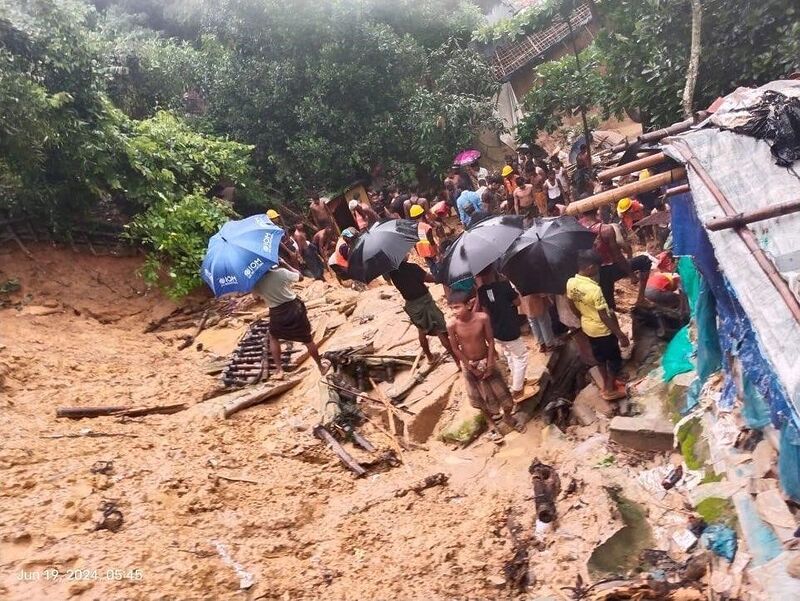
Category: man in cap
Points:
column 426, row 247
column 468, row 202
column 363, row 214
column 287, row 250
column 509, row 180
column 339, row 259
column 615, row 265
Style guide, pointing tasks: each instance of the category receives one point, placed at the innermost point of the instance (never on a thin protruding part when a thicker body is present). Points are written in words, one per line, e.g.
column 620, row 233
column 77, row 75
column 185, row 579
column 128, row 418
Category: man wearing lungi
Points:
column 288, row 319
column 410, row 280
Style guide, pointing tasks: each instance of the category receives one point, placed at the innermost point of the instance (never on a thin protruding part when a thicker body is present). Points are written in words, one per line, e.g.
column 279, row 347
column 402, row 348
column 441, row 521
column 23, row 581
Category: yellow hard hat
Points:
column 416, row 211
column 272, row 214
column 623, row 205
column 507, row 170
column 644, row 174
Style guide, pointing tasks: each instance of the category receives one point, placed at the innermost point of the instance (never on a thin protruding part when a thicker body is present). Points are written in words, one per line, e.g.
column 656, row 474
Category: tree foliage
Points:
column 149, row 104
column 639, row 58
column 560, row 94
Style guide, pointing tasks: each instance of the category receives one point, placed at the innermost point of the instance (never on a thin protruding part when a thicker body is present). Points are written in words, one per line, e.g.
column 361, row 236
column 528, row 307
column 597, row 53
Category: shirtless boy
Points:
column 472, row 340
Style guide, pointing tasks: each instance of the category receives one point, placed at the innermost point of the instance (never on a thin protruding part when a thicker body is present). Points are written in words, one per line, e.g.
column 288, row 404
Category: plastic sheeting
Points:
column 676, row 358
column 763, row 391
column 746, row 302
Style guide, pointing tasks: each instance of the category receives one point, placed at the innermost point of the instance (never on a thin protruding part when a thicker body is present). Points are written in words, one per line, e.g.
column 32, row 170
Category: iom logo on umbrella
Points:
column 228, row 280
column 266, row 243
column 251, row 269
column 262, row 221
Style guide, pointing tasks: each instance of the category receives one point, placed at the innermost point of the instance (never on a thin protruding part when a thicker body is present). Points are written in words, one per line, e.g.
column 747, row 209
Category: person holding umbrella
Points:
column 242, row 257
column 288, row 317
column 499, row 299
column 425, row 314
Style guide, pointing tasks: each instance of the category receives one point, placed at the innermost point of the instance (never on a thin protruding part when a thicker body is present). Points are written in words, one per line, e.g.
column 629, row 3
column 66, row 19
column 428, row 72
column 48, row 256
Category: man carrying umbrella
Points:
column 242, row 257
column 288, row 318
column 501, row 301
column 411, row 280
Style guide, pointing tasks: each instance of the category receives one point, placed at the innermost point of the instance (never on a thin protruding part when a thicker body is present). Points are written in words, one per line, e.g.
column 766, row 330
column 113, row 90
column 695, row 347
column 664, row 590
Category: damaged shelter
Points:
column 736, row 231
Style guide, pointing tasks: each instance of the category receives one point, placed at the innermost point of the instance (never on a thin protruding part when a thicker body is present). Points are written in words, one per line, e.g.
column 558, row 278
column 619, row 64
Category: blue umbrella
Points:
column 240, row 253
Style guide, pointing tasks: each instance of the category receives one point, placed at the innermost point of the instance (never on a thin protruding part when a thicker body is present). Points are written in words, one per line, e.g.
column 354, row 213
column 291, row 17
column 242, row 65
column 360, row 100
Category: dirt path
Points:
column 300, row 529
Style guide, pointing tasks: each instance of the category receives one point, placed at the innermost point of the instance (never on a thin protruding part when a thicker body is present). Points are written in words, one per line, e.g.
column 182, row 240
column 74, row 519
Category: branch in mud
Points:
column 117, row 411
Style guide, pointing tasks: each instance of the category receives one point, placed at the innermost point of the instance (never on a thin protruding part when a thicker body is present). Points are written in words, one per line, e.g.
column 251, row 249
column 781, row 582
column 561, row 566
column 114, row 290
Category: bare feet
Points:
column 614, row 394
column 278, row 375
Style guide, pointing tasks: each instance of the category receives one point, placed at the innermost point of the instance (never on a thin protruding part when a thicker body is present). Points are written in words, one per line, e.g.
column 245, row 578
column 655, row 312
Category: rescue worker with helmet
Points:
column 426, row 245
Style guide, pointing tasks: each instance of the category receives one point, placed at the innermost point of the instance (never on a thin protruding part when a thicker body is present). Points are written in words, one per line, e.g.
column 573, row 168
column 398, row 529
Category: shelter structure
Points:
column 736, row 227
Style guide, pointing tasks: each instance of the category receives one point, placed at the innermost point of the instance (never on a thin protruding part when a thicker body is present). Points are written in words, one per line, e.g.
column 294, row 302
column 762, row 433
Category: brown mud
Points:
column 209, row 504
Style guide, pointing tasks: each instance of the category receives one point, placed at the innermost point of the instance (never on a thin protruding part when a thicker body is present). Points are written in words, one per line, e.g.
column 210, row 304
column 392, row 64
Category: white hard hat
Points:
column 352, row 204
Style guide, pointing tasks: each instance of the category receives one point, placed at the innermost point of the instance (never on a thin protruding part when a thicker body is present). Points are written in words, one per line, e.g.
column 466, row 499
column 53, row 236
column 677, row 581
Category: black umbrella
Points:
column 381, row 249
column 546, row 255
column 479, row 246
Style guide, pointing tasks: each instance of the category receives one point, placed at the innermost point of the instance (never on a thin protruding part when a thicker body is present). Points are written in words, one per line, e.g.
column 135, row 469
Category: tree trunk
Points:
column 694, row 57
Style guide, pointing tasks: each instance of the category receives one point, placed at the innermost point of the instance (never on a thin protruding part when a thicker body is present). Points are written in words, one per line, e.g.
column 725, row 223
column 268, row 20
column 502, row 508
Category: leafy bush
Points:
column 178, row 232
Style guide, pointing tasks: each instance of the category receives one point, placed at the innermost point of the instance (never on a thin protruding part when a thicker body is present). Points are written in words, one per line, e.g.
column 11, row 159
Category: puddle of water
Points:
column 619, row 555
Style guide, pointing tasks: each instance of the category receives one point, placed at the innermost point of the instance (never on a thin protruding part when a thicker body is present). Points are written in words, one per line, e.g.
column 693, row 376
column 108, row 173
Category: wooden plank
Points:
column 347, row 460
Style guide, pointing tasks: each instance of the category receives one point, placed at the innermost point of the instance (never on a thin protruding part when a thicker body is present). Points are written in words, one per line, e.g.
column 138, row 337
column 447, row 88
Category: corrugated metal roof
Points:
column 509, row 59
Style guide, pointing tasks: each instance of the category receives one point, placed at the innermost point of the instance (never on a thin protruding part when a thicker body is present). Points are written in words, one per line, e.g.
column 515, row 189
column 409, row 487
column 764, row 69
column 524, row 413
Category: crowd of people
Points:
column 487, row 313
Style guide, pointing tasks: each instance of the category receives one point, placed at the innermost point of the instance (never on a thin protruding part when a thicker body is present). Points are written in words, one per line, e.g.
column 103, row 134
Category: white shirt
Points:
column 553, row 190
column 275, row 286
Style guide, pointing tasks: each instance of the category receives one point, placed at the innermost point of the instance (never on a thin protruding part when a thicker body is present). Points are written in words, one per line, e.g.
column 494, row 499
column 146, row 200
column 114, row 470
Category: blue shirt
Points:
column 467, row 198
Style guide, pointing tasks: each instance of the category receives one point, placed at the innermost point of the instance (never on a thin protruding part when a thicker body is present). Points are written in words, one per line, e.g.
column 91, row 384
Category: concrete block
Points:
column 642, row 433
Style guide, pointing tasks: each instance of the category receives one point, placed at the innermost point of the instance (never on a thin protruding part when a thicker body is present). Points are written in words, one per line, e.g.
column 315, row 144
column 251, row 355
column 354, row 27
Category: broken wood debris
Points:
column 365, row 367
column 517, row 570
column 347, row 460
column 399, row 395
column 546, row 486
column 438, row 479
column 254, row 397
column 117, row 411
column 251, row 361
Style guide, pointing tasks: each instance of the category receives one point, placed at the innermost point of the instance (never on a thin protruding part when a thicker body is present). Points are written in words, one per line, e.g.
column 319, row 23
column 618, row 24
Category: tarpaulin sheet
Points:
column 754, row 322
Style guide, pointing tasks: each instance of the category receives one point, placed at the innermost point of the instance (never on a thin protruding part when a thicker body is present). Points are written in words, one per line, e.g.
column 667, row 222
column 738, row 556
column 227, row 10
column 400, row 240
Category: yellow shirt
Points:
column 588, row 299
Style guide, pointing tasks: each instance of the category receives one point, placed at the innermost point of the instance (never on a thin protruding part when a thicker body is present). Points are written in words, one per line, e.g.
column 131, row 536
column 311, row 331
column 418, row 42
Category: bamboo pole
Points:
column 659, row 134
column 636, row 165
column 647, row 185
column 735, row 221
column 746, row 235
column 682, row 189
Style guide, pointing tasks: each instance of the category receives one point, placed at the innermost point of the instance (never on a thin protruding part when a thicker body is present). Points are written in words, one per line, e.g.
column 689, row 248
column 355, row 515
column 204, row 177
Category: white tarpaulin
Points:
column 745, row 172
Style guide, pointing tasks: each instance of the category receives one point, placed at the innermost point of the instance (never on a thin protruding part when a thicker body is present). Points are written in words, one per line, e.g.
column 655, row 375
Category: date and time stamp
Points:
column 53, row 574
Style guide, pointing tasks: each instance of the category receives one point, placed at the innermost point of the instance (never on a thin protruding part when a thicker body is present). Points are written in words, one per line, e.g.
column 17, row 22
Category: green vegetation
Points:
column 465, row 432
column 689, row 439
column 715, row 510
column 147, row 106
column 637, row 63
